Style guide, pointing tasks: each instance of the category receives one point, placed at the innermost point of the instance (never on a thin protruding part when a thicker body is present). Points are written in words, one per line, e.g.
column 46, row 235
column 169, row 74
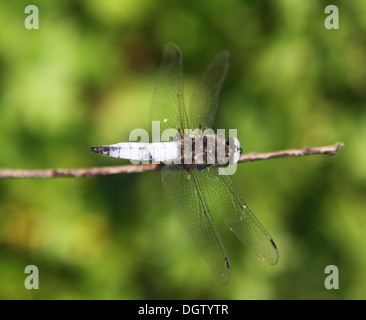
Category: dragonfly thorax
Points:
column 209, row 149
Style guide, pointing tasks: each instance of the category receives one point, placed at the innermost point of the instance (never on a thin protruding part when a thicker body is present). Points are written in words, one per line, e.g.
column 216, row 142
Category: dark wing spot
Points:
column 227, row 262
column 229, row 58
column 273, row 244
column 178, row 54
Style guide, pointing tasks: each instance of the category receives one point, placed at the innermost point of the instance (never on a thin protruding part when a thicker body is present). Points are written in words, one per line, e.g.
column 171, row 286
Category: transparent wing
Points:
column 205, row 97
column 168, row 103
column 184, row 190
column 228, row 202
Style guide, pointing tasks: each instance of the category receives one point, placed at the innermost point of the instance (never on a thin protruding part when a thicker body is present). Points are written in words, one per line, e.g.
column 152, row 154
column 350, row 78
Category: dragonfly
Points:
column 196, row 188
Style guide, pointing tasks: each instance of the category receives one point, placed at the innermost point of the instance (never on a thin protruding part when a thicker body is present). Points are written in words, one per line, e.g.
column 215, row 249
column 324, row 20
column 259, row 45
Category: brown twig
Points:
column 103, row 171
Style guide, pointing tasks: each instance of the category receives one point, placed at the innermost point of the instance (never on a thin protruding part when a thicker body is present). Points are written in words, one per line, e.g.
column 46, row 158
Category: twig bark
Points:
column 103, row 171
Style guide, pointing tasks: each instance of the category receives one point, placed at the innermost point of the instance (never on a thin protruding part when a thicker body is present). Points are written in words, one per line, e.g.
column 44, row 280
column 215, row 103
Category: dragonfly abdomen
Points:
column 156, row 151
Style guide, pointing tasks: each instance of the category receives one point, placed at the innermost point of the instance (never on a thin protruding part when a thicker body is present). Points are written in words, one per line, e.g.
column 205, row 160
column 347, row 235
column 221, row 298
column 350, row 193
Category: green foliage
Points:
column 86, row 77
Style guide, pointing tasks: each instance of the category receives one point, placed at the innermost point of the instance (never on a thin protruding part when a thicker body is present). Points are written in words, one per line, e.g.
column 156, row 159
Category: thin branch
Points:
column 305, row 151
column 103, row 171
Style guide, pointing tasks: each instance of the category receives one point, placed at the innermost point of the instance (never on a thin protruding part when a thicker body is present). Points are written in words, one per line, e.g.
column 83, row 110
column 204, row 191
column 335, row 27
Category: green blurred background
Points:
column 86, row 77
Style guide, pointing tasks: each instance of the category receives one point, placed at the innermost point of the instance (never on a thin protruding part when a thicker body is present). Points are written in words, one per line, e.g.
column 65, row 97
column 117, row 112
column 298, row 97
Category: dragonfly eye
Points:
column 236, row 148
column 234, row 143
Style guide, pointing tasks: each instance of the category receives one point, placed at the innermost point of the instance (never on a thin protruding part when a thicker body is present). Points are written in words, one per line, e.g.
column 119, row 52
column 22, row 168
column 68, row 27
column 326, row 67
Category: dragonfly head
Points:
column 234, row 149
column 237, row 150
